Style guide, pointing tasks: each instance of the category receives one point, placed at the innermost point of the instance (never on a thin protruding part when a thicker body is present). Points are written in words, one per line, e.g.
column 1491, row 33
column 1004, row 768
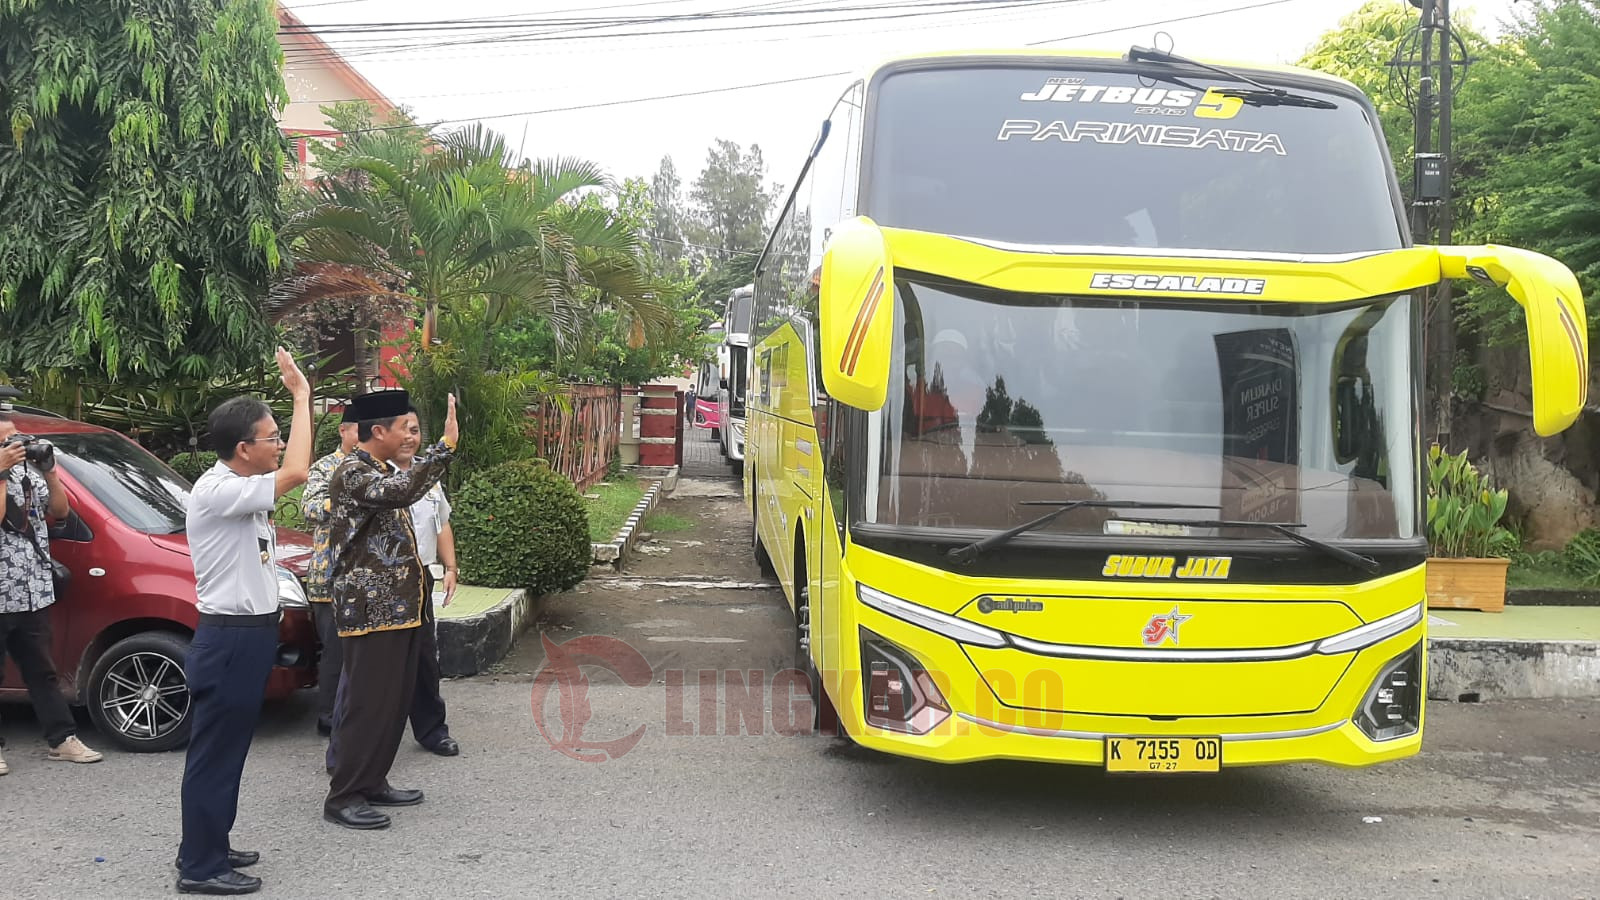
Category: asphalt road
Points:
column 1503, row 802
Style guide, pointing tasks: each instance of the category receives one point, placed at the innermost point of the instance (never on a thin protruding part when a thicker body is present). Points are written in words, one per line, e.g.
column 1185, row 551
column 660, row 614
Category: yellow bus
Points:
column 1083, row 404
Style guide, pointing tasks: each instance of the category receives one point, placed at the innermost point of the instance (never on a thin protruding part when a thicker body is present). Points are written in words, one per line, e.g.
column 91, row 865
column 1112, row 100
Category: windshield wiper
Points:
column 1263, row 95
column 970, row 552
column 1364, row 563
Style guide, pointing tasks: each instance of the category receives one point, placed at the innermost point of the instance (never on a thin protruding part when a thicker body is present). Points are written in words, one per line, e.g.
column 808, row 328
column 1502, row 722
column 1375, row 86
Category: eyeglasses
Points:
column 274, row 439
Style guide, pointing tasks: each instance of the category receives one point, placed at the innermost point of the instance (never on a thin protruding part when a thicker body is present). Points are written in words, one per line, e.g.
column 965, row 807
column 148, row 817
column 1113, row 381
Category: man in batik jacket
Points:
column 378, row 599
column 314, row 507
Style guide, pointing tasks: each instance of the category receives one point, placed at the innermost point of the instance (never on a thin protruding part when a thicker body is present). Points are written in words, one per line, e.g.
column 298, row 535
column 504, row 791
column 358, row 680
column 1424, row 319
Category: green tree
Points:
column 732, row 201
column 666, row 220
column 1533, row 181
column 140, row 163
column 476, row 242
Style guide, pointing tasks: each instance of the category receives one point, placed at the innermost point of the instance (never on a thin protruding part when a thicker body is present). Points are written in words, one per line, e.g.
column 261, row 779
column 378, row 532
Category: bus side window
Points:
column 765, row 374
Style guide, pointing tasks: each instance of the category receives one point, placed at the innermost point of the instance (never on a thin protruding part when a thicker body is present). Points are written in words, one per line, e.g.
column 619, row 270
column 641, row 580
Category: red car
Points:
column 122, row 630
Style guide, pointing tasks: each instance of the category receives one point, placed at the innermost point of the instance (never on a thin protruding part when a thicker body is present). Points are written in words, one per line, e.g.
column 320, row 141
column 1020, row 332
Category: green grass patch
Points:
column 617, row 498
column 665, row 523
column 1544, row 571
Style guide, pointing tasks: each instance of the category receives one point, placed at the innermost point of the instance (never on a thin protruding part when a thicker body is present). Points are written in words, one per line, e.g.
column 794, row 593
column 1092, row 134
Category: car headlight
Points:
column 290, row 591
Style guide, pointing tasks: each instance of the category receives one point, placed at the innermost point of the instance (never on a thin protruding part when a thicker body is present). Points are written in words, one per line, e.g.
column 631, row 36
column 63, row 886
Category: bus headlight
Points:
column 1393, row 705
column 899, row 694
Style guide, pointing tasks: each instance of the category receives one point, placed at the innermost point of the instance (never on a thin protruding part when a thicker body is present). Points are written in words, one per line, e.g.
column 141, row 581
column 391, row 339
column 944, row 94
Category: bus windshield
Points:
column 1260, row 411
column 1054, row 155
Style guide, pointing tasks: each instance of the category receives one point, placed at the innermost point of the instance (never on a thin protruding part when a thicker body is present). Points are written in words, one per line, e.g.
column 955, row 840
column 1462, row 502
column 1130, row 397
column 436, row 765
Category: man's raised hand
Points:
column 452, row 431
column 293, row 378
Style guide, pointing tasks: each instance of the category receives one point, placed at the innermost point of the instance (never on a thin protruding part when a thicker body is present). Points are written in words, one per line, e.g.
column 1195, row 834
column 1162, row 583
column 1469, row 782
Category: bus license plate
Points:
column 1163, row 754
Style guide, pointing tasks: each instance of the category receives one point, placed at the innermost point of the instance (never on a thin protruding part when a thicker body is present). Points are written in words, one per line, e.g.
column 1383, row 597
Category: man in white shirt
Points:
column 436, row 545
column 232, row 546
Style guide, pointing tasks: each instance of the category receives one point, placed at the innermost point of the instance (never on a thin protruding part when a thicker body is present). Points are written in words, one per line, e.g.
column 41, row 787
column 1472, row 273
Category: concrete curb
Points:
column 667, row 475
column 1552, row 597
column 615, row 553
column 470, row 645
column 1478, row 669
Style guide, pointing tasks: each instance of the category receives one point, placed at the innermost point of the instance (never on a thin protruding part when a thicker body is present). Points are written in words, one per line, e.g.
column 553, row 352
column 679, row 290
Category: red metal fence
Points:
column 579, row 442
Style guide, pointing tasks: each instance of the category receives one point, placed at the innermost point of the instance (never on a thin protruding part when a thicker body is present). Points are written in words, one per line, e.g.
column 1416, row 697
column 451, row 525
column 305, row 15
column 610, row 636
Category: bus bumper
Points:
column 975, row 725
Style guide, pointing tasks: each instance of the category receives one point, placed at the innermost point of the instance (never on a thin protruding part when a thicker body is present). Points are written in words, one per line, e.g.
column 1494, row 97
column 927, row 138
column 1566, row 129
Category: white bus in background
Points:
column 735, row 360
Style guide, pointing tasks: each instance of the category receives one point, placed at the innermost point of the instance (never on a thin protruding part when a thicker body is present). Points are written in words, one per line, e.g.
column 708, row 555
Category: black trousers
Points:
column 380, row 675
column 26, row 636
column 227, row 668
column 427, row 704
column 428, row 724
column 329, row 663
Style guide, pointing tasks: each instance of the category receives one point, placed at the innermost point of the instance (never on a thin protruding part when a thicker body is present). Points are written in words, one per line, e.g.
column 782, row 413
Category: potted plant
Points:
column 1469, row 548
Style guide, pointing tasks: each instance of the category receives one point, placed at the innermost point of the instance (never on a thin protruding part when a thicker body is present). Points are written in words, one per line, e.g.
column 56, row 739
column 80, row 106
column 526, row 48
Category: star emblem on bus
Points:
column 1163, row 628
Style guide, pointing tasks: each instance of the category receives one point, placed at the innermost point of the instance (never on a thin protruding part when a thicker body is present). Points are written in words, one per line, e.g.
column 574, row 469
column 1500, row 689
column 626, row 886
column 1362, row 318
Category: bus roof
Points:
column 1247, row 68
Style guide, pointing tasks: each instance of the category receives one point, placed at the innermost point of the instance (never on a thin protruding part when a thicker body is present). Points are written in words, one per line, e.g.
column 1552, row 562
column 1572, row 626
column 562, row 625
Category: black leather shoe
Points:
column 229, row 882
column 324, row 728
column 237, row 859
column 395, row 797
column 446, row 747
column 359, row 816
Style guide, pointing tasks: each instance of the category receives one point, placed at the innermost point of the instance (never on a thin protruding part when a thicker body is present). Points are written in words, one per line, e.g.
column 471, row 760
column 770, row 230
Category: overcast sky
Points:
column 584, row 67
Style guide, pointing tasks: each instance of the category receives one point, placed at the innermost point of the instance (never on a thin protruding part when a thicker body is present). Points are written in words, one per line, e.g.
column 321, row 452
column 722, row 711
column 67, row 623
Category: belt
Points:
column 220, row 620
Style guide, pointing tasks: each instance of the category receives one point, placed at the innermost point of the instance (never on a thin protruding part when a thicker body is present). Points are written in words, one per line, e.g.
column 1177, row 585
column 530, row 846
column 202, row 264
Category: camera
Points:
column 38, row 451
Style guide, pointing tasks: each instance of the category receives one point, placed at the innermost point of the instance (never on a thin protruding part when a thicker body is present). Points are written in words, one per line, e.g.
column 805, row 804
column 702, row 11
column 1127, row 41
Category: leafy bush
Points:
column 1581, row 556
column 1465, row 510
column 521, row 525
column 193, row 465
column 327, row 439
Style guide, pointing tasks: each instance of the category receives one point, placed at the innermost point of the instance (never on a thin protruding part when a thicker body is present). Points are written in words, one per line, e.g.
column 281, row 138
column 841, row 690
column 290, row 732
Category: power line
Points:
column 540, row 112
column 500, row 22
column 783, row 81
column 360, row 50
column 1204, row 15
column 633, row 48
column 987, row 21
column 663, row 240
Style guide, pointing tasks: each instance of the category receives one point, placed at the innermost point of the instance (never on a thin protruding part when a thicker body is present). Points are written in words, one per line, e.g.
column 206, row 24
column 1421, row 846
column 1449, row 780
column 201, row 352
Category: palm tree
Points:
column 469, row 238
column 462, row 223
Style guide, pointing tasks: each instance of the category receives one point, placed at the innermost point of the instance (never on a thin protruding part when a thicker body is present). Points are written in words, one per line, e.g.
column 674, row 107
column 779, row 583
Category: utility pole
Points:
column 1432, row 94
column 1444, row 320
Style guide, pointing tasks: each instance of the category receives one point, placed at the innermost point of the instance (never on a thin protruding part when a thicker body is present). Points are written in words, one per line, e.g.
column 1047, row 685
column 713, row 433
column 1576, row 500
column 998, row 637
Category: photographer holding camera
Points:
column 33, row 493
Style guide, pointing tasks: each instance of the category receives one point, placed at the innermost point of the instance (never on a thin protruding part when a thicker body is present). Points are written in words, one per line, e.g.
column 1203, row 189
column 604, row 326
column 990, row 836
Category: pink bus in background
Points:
column 708, row 388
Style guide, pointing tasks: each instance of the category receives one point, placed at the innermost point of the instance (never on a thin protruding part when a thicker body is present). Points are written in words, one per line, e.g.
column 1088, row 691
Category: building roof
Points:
column 300, row 37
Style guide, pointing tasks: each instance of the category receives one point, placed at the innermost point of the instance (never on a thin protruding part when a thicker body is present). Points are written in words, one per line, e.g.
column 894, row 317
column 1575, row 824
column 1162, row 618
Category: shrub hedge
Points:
column 521, row 525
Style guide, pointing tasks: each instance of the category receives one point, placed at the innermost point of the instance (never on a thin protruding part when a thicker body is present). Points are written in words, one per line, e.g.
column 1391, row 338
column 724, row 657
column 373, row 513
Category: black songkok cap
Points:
column 380, row 405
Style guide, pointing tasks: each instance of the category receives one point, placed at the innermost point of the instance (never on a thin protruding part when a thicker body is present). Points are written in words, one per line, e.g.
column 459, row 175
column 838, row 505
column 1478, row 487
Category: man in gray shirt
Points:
column 231, row 542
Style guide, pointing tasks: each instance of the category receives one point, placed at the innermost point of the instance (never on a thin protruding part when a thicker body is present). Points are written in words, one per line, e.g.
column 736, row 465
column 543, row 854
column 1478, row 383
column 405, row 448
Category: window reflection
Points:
column 1268, row 412
column 136, row 487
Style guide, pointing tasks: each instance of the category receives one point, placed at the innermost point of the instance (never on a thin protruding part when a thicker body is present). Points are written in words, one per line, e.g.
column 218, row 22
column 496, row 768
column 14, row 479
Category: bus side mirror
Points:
column 856, row 300
column 1558, row 336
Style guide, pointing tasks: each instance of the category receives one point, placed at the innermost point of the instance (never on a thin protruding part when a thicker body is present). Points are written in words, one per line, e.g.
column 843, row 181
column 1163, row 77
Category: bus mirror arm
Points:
column 1558, row 334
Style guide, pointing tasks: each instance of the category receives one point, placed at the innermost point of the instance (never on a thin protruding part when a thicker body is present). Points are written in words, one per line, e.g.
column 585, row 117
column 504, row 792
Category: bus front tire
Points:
column 824, row 718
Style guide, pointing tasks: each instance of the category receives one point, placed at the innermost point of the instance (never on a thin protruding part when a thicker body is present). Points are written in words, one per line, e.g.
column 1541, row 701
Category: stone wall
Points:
column 1554, row 482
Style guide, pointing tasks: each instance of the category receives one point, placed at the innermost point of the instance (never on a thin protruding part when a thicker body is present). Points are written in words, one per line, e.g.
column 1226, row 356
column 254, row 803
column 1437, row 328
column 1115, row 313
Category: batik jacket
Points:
column 314, row 507
column 375, row 572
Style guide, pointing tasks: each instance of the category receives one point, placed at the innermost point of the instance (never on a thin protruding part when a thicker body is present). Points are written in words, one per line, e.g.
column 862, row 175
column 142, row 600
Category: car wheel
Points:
column 138, row 694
